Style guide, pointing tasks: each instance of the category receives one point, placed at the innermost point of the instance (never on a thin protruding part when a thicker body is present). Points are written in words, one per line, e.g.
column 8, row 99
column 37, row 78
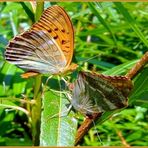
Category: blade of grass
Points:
column 130, row 20
column 28, row 11
column 39, row 9
column 13, row 25
column 79, row 24
column 96, row 12
column 36, row 108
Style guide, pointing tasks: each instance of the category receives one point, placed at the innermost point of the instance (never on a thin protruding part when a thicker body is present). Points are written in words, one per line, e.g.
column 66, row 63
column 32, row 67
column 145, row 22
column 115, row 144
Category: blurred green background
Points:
column 109, row 38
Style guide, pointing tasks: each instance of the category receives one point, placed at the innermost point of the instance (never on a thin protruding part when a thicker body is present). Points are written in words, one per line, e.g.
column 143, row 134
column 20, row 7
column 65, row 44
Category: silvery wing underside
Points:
column 47, row 47
column 35, row 51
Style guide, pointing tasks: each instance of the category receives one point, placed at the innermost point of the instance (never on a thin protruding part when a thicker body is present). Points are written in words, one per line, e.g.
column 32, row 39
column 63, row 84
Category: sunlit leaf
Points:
column 58, row 128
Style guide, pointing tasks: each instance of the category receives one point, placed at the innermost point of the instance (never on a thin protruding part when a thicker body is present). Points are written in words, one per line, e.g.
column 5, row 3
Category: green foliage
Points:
column 55, row 120
column 140, row 91
column 131, row 123
column 109, row 38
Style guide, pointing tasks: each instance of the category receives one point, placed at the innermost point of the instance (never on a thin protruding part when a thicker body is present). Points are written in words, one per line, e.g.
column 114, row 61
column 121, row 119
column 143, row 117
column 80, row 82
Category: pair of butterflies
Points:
column 47, row 47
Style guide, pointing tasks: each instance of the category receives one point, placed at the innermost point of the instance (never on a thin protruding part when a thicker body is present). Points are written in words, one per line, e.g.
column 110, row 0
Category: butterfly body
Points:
column 94, row 93
column 47, row 47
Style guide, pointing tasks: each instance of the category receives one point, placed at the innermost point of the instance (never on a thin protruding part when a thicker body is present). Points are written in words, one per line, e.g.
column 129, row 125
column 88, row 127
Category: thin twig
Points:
column 85, row 126
column 15, row 107
column 132, row 73
column 119, row 133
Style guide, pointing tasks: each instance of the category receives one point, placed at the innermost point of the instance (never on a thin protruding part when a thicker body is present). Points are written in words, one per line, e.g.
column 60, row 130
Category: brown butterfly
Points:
column 96, row 93
column 47, row 47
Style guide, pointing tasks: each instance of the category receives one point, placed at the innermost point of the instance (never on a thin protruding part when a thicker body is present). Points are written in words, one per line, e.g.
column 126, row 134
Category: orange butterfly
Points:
column 47, row 47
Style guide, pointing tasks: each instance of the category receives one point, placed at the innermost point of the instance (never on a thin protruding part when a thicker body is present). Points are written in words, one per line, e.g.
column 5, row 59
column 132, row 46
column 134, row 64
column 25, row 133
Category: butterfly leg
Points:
column 62, row 114
column 45, row 86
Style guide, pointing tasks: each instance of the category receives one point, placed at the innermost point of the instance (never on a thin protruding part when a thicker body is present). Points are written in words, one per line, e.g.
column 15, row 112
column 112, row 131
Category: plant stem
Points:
column 85, row 126
column 36, row 108
column 39, row 9
column 106, row 25
column 79, row 24
column 132, row 73
column 36, row 111
column 124, row 142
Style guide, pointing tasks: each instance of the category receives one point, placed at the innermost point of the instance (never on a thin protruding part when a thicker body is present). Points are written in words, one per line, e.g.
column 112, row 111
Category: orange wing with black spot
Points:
column 47, row 47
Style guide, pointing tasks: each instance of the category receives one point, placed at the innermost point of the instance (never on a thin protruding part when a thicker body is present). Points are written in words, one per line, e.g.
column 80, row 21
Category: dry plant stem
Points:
column 138, row 66
column 85, row 126
column 119, row 133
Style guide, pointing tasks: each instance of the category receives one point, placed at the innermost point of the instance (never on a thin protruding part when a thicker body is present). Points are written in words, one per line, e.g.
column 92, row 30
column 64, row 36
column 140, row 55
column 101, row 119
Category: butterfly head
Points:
column 66, row 70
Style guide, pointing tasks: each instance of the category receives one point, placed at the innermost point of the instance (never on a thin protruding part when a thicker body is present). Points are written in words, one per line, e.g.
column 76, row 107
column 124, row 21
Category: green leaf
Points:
column 131, row 21
column 19, row 84
column 12, row 82
column 121, row 69
column 58, row 128
column 140, row 91
column 28, row 11
column 103, row 22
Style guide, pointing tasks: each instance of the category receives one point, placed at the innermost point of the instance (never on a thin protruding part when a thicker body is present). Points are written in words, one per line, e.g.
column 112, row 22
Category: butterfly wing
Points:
column 115, row 88
column 57, row 22
column 39, row 49
column 35, row 51
column 85, row 98
column 98, row 93
column 122, row 83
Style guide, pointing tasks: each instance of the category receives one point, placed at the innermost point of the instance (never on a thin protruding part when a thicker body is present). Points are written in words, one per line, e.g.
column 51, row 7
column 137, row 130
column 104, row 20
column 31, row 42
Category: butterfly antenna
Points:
column 48, row 79
column 65, row 82
column 67, row 86
column 98, row 136
column 56, row 91
column 60, row 115
column 70, row 107
column 60, row 96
